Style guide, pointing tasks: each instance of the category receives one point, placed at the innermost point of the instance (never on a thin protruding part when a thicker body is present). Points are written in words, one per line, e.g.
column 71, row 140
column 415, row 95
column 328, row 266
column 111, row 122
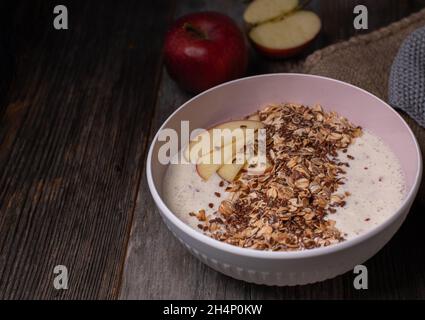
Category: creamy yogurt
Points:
column 185, row 191
column 374, row 180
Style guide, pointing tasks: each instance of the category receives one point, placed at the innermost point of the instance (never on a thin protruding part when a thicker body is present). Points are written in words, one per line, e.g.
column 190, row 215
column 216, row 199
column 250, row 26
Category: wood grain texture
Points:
column 73, row 133
column 157, row 265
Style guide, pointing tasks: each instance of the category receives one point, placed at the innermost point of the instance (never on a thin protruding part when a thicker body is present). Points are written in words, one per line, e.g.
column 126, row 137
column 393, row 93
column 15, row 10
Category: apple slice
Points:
column 204, row 143
column 254, row 117
column 288, row 36
column 260, row 11
column 230, row 171
column 208, row 164
column 253, row 167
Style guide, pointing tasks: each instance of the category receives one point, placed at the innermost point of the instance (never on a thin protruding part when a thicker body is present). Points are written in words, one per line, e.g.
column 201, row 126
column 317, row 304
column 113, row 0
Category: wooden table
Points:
column 78, row 110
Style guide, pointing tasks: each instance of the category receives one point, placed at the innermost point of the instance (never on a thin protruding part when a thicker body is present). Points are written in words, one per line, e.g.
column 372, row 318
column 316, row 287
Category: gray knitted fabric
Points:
column 407, row 79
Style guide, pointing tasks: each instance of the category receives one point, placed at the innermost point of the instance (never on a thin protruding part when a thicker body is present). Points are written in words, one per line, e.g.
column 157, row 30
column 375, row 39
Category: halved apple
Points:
column 205, row 143
column 259, row 11
column 286, row 37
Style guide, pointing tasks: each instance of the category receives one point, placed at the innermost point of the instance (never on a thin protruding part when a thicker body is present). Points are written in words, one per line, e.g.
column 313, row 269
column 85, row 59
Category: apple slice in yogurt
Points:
column 227, row 156
column 213, row 161
column 205, row 143
column 229, row 172
column 255, row 166
column 254, row 117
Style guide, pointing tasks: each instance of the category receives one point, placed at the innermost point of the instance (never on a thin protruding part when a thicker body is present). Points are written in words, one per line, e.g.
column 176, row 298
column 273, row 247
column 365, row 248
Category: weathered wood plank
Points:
column 157, row 266
column 73, row 136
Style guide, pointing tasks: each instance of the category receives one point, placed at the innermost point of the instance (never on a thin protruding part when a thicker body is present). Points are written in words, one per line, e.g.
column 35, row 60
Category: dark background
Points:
column 78, row 109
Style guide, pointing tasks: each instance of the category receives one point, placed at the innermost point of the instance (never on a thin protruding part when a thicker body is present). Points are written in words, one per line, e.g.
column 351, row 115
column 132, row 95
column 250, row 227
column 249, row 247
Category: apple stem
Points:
column 194, row 31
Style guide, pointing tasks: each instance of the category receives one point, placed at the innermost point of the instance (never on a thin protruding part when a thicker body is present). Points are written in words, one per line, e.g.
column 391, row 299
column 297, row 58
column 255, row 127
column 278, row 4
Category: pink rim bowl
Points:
column 236, row 99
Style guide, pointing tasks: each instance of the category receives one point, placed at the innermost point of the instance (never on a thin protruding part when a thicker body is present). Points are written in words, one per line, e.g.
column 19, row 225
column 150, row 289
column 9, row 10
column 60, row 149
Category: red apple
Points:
column 203, row 50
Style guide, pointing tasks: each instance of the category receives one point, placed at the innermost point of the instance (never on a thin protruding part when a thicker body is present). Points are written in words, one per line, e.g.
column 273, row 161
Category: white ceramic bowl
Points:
column 238, row 98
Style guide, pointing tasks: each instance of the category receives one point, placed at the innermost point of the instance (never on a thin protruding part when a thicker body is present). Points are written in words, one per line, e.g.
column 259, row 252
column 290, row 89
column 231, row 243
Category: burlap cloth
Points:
column 364, row 60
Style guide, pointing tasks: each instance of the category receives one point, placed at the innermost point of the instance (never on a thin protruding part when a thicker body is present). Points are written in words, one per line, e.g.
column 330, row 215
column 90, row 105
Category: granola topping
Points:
column 285, row 208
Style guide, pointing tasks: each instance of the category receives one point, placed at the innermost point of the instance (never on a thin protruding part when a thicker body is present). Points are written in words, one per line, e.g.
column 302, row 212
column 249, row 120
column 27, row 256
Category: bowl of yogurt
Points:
column 324, row 181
